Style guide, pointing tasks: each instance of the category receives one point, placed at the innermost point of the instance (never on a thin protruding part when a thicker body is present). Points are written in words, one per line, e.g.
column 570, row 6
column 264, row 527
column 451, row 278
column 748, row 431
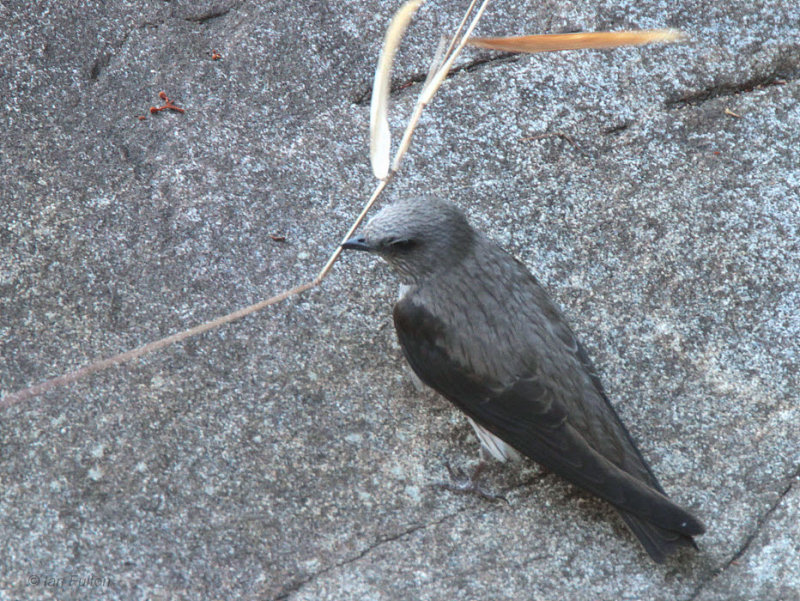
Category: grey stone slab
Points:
column 288, row 455
column 766, row 567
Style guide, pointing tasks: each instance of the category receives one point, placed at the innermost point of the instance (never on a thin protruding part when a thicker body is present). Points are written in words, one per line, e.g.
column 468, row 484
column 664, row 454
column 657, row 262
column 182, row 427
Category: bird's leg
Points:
column 461, row 483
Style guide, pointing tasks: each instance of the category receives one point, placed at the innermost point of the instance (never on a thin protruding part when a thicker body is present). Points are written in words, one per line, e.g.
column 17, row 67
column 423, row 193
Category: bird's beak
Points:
column 356, row 243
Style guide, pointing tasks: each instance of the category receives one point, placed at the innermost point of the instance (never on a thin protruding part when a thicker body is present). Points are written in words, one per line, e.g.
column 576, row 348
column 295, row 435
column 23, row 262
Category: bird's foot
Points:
column 463, row 484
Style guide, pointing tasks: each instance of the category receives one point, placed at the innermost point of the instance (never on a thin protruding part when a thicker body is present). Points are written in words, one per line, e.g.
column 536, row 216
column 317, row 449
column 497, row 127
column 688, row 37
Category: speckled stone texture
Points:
column 288, row 455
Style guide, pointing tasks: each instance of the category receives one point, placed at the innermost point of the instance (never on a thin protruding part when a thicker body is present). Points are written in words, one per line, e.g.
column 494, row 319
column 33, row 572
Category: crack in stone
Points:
column 505, row 57
column 294, row 587
column 480, row 62
column 615, row 129
column 784, row 69
column 106, row 54
column 725, row 90
column 100, row 63
column 208, row 16
column 761, row 522
column 213, row 13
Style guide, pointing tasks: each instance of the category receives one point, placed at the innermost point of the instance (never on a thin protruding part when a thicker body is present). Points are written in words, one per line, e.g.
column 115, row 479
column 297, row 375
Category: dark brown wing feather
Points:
column 529, row 417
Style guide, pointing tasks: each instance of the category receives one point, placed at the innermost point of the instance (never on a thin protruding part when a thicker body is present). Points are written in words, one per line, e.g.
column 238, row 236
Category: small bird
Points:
column 479, row 329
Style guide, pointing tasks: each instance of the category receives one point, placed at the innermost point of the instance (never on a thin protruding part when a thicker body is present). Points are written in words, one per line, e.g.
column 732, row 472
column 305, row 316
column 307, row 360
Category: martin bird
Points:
column 479, row 329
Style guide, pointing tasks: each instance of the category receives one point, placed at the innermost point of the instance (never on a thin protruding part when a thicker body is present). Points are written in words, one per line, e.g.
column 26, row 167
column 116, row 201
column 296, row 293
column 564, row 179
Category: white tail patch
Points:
column 497, row 448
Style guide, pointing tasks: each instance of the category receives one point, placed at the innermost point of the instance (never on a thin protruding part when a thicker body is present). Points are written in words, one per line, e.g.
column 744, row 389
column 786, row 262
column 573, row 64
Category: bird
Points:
column 478, row 328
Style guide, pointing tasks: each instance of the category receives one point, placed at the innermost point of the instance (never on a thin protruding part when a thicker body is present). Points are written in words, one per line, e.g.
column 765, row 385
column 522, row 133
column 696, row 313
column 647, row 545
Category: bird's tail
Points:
column 658, row 542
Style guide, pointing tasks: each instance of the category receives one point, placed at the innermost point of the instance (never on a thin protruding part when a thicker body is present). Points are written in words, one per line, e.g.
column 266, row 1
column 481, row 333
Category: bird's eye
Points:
column 400, row 244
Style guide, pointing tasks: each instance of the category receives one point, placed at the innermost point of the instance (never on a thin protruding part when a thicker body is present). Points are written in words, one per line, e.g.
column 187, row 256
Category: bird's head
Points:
column 418, row 237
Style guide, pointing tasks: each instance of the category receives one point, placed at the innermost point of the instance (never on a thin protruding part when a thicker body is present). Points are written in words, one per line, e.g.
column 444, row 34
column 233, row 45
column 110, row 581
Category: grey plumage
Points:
column 478, row 328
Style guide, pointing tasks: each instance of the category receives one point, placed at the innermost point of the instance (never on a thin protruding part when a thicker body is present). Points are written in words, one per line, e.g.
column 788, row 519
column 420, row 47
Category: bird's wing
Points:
column 528, row 416
column 615, row 443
